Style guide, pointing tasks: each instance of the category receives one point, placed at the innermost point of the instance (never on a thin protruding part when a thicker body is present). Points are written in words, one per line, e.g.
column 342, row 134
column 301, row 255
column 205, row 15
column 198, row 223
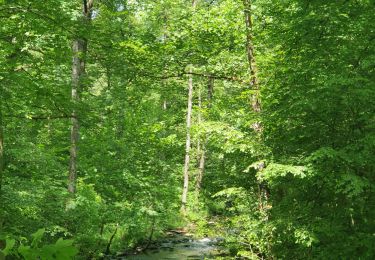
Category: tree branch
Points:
column 205, row 75
column 40, row 117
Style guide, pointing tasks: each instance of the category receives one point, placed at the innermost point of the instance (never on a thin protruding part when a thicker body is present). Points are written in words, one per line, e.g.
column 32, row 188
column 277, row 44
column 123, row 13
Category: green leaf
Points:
column 27, row 252
column 9, row 245
column 275, row 170
column 48, row 252
column 37, row 237
column 65, row 249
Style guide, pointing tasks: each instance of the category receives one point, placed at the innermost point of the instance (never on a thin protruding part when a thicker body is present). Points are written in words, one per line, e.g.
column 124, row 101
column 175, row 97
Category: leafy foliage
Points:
column 302, row 187
column 61, row 249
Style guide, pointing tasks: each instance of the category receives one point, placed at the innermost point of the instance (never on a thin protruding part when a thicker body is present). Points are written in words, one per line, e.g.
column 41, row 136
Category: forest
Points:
column 247, row 122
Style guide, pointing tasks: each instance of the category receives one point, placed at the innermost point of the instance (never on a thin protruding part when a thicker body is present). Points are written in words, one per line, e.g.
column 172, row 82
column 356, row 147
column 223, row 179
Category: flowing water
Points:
column 180, row 247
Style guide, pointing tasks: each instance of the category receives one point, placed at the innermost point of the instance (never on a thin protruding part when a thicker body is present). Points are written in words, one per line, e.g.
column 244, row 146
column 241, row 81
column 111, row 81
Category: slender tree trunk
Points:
column 251, row 56
column 249, row 43
column 210, row 91
column 202, row 154
column 199, row 139
column 74, row 132
column 188, row 138
column 108, row 247
column 164, row 106
column 79, row 48
column 201, row 167
column 1, row 145
column 1, row 158
column 188, row 142
column 255, row 102
column 164, row 40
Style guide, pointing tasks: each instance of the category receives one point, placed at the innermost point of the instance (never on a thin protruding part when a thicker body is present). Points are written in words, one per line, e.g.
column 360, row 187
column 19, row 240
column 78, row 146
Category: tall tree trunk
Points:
column 201, row 167
column 188, row 142
column 199, row 115
column 74, row 134
column 1, row 158
column 164, row 40
column 188, row 138
column 1, row 143
column 79, row 48
column 202, row 153
column 250, row 55
column 210, row 91
column 255, row 102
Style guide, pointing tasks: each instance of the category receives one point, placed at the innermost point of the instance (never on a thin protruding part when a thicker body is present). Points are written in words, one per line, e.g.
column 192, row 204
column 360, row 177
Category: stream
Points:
column 180, row 247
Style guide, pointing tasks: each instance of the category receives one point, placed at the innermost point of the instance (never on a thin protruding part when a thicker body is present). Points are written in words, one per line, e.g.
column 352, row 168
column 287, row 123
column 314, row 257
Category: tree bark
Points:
column 108, row 247
column 210, row 91
column 202, row 153
column 1, row 143
column 188, row 143
column 201, row 167
column 255, row 102
column 251, row 56
column 79, row 49
column 199, row 139
column 164, row 40
column 188, row 138
column 74, row 132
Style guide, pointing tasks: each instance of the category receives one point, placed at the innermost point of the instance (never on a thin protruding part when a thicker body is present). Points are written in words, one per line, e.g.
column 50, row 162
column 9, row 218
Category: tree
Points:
column 79, row 48
column 188, row 137
column 203, row 140
column 1, row 143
